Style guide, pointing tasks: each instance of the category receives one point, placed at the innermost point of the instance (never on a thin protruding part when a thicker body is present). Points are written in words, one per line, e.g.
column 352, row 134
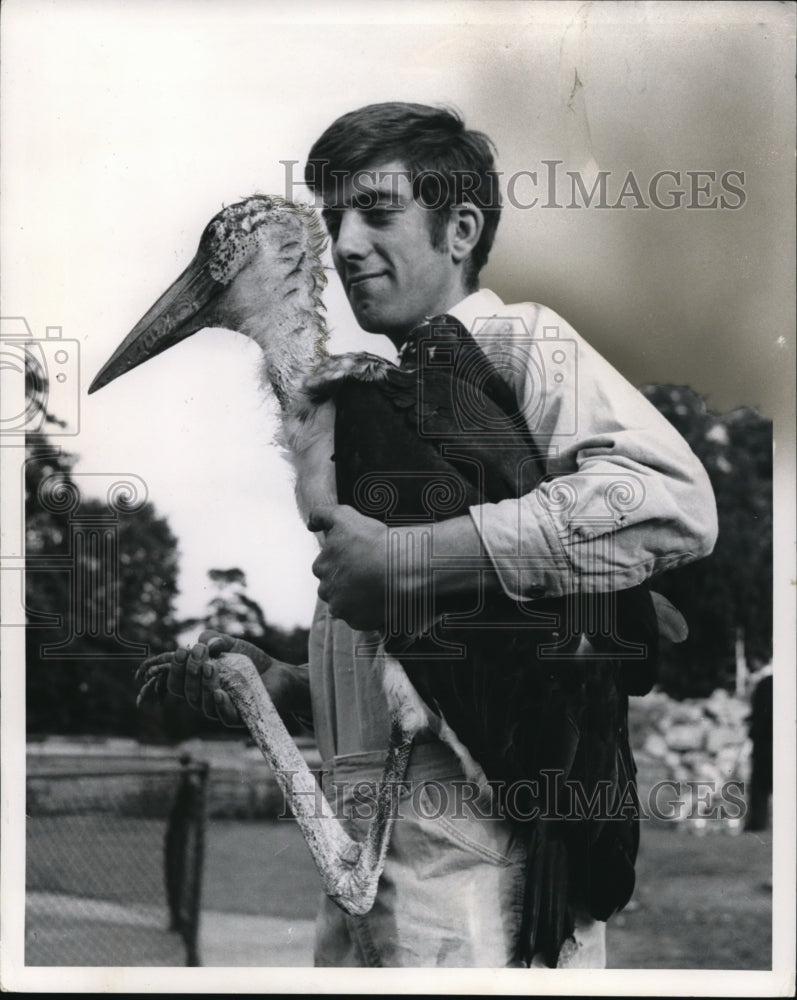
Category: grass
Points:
column 259, row 867
column 701, row 901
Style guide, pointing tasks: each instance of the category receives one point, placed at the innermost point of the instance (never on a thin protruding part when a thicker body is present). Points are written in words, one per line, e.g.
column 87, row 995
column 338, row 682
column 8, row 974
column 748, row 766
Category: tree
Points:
column 730, row 592
column 100, row 586
column 233, row 612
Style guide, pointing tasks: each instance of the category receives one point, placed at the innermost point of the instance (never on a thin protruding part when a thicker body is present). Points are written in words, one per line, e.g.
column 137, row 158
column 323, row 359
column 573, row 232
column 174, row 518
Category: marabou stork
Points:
column 509, row 713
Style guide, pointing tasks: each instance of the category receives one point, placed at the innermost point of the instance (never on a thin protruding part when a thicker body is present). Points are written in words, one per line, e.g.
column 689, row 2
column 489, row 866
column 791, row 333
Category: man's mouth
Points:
column 359, row 279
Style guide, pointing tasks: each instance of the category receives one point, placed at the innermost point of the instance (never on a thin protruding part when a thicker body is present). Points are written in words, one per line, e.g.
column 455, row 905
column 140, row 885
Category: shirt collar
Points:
column 478, row 305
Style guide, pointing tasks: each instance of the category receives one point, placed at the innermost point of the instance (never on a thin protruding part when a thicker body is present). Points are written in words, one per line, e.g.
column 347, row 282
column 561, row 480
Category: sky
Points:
column 126, row 126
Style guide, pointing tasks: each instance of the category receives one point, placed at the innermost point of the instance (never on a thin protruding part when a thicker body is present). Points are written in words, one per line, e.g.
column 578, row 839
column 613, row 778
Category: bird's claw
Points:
column 152, row 676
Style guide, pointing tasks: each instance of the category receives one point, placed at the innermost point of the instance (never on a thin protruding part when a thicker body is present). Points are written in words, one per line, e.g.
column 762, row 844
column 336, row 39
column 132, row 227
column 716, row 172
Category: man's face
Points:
column 382, row 250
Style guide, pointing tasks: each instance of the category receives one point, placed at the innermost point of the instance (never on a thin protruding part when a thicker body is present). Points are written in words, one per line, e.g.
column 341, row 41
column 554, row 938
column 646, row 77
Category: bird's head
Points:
column 257, row 271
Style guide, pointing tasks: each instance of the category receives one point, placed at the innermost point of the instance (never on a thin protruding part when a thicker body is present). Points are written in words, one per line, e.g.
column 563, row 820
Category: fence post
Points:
column 184, row 855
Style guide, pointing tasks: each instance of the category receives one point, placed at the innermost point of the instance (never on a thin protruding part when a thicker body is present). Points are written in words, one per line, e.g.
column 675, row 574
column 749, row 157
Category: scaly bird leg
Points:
column 349, row 870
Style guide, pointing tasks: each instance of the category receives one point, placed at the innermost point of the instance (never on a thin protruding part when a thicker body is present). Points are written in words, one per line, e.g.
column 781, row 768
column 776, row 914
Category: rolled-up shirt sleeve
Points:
column 624, row 497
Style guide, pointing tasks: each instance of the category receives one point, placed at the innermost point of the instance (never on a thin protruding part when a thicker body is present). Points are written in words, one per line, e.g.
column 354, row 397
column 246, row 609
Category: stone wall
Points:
column 693, row 759
column 699, row 741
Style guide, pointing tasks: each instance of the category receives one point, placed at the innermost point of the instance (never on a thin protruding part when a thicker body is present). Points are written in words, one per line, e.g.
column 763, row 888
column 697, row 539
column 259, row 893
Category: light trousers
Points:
column 451, row 893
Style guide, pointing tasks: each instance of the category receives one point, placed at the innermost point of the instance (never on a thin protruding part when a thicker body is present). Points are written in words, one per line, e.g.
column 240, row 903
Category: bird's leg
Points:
column 377, row 839
column 333, row 851
column 349, row 870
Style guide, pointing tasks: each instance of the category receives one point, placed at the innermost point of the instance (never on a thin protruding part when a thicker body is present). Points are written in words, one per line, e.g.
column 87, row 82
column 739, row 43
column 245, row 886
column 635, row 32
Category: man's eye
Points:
column 380, row 216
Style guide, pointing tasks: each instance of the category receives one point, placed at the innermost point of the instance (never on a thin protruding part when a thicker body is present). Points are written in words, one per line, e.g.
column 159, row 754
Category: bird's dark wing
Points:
column 426, row 443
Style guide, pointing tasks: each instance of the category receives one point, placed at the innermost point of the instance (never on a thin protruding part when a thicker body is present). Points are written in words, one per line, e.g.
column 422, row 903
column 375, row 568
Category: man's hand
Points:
column 352, row 566
column 356, row 569
column 193, row 675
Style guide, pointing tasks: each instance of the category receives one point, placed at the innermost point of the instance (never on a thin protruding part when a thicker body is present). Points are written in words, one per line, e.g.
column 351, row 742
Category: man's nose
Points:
column 351, row 241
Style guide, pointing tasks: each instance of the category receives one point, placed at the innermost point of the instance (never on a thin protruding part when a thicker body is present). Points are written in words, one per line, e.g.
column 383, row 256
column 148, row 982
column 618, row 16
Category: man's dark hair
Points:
column 448, row 163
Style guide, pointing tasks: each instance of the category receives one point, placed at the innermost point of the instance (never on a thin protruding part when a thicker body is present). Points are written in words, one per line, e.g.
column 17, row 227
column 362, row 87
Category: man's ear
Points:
column 465, row 227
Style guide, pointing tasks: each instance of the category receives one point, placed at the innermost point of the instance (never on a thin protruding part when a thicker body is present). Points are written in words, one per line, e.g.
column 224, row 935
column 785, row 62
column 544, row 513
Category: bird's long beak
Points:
column 179, row 312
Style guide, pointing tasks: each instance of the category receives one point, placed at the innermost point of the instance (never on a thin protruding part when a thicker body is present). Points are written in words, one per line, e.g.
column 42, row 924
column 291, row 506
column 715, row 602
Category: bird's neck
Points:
column 295, row 343
column 287, row 320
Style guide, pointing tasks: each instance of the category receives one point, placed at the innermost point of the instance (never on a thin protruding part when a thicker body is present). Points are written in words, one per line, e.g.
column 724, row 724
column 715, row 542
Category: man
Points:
column 761, row 731
column 412, row 205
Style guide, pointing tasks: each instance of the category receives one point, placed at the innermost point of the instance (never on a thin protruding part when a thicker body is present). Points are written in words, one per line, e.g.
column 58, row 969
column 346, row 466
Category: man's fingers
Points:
column 216, row 642
column 208, row 684
column 193, row 674
column 219, row 644
column 225, row 710
column 175, row 681
column 216, row 703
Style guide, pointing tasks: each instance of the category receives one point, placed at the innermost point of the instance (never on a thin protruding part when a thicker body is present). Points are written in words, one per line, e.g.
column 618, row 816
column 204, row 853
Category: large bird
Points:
column 514, row 699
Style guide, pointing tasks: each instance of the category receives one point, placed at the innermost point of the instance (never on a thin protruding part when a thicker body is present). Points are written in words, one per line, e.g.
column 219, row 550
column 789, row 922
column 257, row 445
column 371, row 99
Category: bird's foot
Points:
column 151, row 677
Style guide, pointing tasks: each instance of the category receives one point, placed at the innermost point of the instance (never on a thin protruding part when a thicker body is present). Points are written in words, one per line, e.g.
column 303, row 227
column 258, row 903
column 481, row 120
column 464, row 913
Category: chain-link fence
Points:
column 114, row 865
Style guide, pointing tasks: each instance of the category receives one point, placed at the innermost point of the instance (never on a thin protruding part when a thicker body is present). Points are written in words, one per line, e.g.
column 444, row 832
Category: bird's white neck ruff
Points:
column 292, row 347
column 308, row 443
